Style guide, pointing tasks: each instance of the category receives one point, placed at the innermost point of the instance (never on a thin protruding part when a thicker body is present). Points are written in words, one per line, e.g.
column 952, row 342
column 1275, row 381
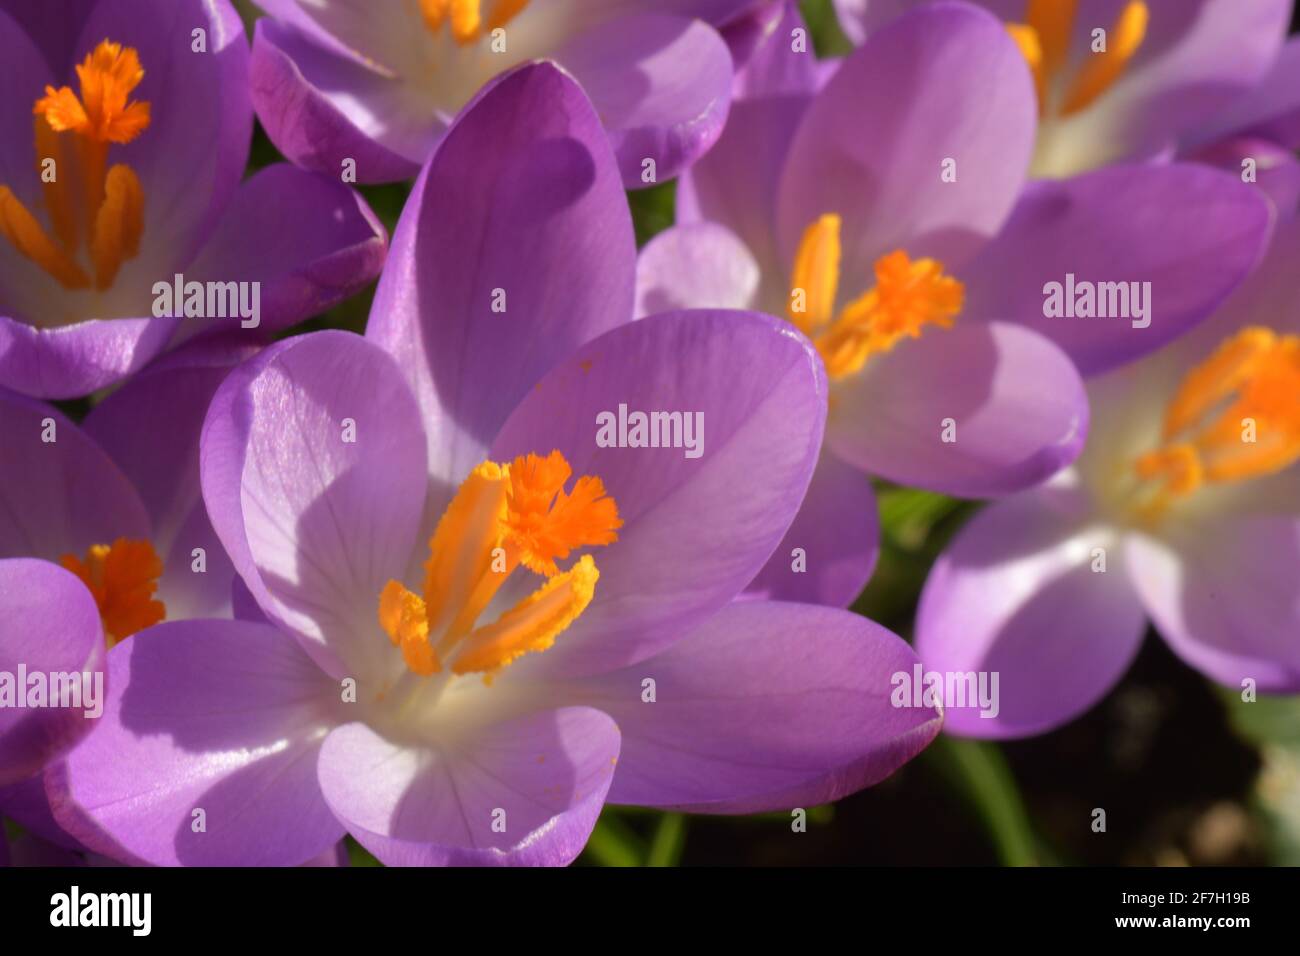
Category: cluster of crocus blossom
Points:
column 391, row 586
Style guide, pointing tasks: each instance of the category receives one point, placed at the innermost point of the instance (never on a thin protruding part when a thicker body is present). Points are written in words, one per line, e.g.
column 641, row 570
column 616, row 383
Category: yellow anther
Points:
column 1234, row 417
column 501, row 518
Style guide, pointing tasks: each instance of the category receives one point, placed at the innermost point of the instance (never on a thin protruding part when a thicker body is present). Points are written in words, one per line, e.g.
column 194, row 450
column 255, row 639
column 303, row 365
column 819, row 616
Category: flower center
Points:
column 908, row 295
column 1234, row 417
column 100, row 205
column 1044, row 39
column 502, row 516
column 122, row 577
column 465, row 18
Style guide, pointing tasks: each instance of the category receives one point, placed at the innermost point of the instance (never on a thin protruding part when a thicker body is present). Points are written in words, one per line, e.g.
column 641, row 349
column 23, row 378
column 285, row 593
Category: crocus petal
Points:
column 515, row 246
column 862, row 150
column 766, row 706
column 691, row 540
column 1231, row 610
column 1018, row 593
column 22, row 67
column 329, row 248
column 1276, row 169
column 226, row 717
column 735, row 183
column 717, row 12
column 662, row 86
column 171, row 399
column 25, row 803
column 831, row 548
column 312, row 464
column 74, row 360
column 321, row 108
column 192, row 156
column 1197, row 57
column 776, row 67
column 1192, row 232
column 59, row 492
column 49, row 625
column 1017, row 408
column 700, row 265
column 1271, row 110
column 523, row 792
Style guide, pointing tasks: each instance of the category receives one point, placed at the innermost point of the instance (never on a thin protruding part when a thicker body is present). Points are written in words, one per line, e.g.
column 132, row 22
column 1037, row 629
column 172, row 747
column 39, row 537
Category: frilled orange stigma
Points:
column 465, row 18
column 1236, row 416
column 1044, row 39
column 123, row 578
column 908, row 295
column 86, row 200
column 502, row 517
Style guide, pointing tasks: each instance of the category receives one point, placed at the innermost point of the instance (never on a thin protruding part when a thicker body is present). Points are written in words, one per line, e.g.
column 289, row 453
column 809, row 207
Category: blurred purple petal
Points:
column 1192, row 232
column 1017, row 593
column 700, row 265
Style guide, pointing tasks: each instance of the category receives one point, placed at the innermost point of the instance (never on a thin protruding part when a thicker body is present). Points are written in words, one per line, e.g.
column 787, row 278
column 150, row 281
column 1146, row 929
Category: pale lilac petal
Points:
column 1231, row 609
column 837, row 534
column 1018, row 594
column 49, row 626
column 542, row 778
column 1193, row 232
column 766, row 706
column 696, row 529
column 978, row 410
column 226, row 717
column 521, row 206
column 699, row 265
column 313, row 473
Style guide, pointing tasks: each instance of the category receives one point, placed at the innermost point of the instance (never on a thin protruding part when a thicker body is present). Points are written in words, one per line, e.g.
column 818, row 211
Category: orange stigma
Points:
column 85, row 199
column 123, row 578
column 1044, row 39
column 1236, row 416
column 502, row 517
column 908, row 295
column 465, row 18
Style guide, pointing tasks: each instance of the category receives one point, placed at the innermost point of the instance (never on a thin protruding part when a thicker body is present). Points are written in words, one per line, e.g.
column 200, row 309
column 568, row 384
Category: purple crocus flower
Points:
column 376, row 84
column 1184, row 509
column 1166, row 65
column 889, row 204
column 479, row 620
column 133, row 178
column 102, row 532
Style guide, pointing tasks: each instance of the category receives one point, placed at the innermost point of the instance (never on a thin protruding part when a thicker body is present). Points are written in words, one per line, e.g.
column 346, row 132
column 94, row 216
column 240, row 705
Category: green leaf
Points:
column 979, row 772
